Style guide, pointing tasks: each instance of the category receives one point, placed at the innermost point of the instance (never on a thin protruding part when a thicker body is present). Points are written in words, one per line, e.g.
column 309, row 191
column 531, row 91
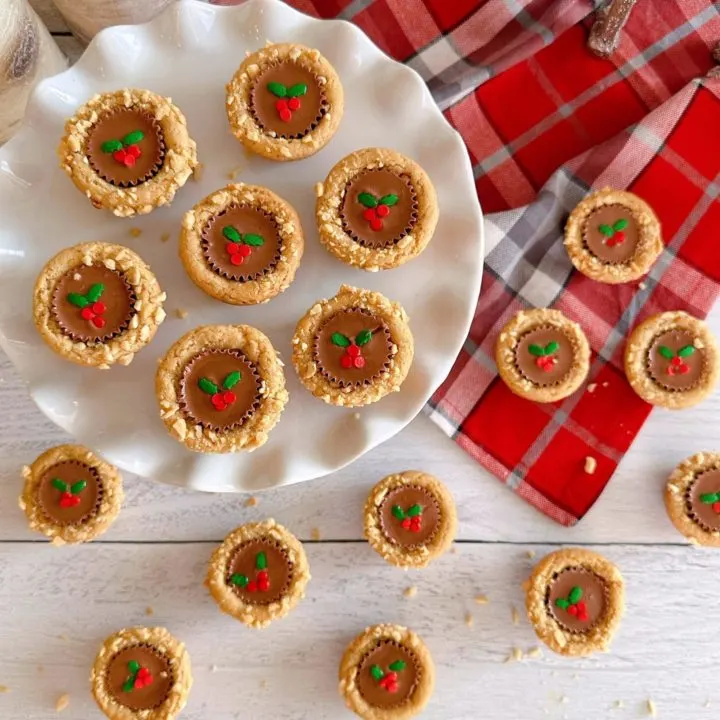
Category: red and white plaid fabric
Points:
column 544, row 122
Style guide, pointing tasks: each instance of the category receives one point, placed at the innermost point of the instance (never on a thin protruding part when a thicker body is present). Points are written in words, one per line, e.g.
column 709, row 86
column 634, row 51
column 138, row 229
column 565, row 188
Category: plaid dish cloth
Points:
column 545, row 121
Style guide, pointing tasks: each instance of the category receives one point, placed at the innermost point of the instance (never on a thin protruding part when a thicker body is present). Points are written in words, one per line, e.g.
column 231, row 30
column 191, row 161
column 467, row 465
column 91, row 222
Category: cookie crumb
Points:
column 482, row 599
column 410, row 592
column 214, row 668
column 165, row 237
column 605, row 384
column 135, row 232
column 619, row 704
column 62, row 702
column 315, row 533
column 515, row 615
column 592, row 387
column 319, row 189
column 263, row 684
column 563, row 699
column 356, row 415
column 252, row 501
column 651, row 709
column 590, row 465
column 642, row 286
column 530, row 554
column 149, row 611
column 535, row 652
column 198, row 172
column 469, row 619
column 182, row 314
column 4, row 689
column 234, row 172
column 515, row 655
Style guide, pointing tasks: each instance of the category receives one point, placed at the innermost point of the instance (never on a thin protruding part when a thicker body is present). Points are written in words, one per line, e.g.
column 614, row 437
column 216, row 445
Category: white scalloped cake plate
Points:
column 189, row 53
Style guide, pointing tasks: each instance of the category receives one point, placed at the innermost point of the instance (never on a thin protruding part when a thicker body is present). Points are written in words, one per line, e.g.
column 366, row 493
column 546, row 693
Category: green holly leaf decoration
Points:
column 232, row 234
column 666, row 352
column 277, row 89
column 552, row 347
column 239, row 580
column 253, row 240
column 562, row 603
column 606, row 230
column 133, row 666
column 129, row 685
column 376, row 672
column 260, row 561
column 709, row 498
column 232, row 380
column 398, row 665
column 686, row 351
column 368, row 200
column 340, row 340
column 621, row 224
column 95, row 292
column 414, row 510
column 537, row 350
column 133, row 137
column 58, row 484
column 390, row 199
column 208, row 386
column 297, row 90
column 78, row 300
column 78, row 487
column 575, row 595
column 398, row 512
column 111, row 146
column 363, row 337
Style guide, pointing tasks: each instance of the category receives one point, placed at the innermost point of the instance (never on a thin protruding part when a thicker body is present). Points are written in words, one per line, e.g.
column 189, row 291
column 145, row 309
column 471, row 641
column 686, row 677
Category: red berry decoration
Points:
column 221, row 397
column 614, row 233
column 87, row 314
column 237, row 259
column 376, row 208
column 370, row 214
column 574, row 605
column 545, row 355
column 677, row 365
column 125, row 151
column 376, row 224
column 346, row 361
column 388, row 680
column 98, row 322
column 353, row 350
column 382, row 211
column 410, row 519
column 294, row 103
column 352, row 356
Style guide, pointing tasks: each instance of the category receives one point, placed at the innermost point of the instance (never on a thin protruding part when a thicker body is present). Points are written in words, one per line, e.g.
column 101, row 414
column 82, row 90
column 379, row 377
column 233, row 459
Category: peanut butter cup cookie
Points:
column 387, row 673
column 221, row 388
column 692, row 498
column 141, row 674
column 353, row 349
column 97, row 304
column 128, row 151
column 542, row 355
column 242, row 244
column 285, row 102
column 613, row 236
column 71, row 495
column 575, row 599
column 671, row 359
column 410, row 519
column 259, row 573
column 376, row 210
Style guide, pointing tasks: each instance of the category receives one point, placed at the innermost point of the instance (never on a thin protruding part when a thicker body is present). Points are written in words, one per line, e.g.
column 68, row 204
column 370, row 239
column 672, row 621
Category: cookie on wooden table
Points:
column 71, row 495
column 242, row 244
column 285, row 102
column 141, row 674
column 387, row 673
column 376, row 210
column 672, row 360
column 613, row 236
column 128, row 151
column 353, row 349
column 542, row 355
column 574, row 600
column 221, row 388
column 410, row 519
column 259, row 573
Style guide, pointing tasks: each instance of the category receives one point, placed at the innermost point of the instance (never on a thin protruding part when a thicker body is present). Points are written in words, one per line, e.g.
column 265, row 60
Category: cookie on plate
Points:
column 141, row 673
column 353, row 349
column 672, row 360
column 128, row 151
column 387, row 673
column 376, row 210
column 259, row 573
column 613, row 236
column 575, row 599
column 542, row 355
column 410, row 519
column 285, row 102
column 242, row 244
column 70, row 494
column 221, row 388
column 97, row 304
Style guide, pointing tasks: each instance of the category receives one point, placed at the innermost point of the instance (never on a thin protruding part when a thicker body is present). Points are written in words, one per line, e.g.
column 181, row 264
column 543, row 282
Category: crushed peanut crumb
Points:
column 515, row 655
column 651, row 709
column 642, row 286
column 252, row 501
column 563, row 699
column 605, row 384
column 263, row 684
column 62, row 702
column 165, row 237
column 182, row 314
column 149, row 611
column 535, row 652
column 410, row 592
column 530, row 554
column 214, row 668
column 592, row 387
column 469, row 619
column 4, row 689
column 619, row 704
column 198, row 172
column 515, row 615
column 135, row 232
column 482, row 599
column 234, row 172
column 315, row 533
column 590, row 465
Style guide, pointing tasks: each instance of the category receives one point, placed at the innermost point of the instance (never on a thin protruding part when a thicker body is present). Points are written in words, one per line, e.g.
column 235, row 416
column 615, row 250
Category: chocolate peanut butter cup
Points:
column 221, row 388
column 376, row 209
column 574, row 600
column 242, row 244
column 258, row 574
column 97, row 304
column 542, row 355
column 71, row 495
column 141, row 673
column 410, row 519
column 284, row 102
column 613, row 236
column 128, row 151
column 386, row 672
column 353, row 349
column 671, row 359
column 692, row 498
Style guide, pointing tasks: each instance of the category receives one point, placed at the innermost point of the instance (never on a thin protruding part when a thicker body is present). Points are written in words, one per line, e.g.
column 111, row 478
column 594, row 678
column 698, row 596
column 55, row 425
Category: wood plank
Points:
column 60, row 604
column 50, row 15
column 72, row 48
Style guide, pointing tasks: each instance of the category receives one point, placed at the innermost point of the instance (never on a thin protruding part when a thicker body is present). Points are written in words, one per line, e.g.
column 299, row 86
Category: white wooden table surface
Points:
column 56, row 606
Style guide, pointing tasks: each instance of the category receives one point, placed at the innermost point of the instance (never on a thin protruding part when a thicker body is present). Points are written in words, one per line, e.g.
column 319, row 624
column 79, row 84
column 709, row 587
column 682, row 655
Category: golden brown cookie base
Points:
column 507, row 342
column 258, row 350
column 143, row 325
column 179, row 162
column 331, row 194
column 676, row 490
column 257, row 616
column 421, row 555
column 650, row 243
column 636, row 360
column 98, row 523
column 598, row 638
column 263, row 142
column 249, row 292
column 351, row 395
column 351, row 661
column 179, row 661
